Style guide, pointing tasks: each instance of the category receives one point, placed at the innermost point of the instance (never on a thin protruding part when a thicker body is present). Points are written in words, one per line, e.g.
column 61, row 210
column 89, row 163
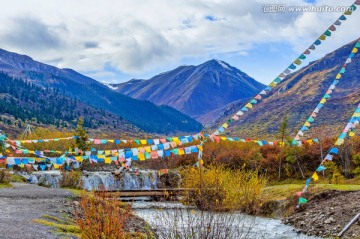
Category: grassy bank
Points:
column 283, row 191
column 279, row 200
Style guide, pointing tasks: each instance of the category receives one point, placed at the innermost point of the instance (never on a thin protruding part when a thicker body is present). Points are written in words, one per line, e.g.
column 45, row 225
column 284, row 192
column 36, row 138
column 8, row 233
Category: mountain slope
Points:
column 194, row 90
column 22, row 102
column 143, row 114
column 299, row 94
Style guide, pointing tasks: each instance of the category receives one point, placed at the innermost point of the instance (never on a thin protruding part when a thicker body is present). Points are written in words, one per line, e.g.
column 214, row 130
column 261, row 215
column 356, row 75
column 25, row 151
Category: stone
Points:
column 329, row 220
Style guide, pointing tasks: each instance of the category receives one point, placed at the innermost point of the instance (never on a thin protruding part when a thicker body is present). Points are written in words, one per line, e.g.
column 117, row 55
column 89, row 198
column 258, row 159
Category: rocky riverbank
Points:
column 327, row 213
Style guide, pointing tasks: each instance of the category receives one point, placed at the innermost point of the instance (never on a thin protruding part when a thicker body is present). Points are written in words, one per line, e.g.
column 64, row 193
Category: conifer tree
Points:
column 82, row 137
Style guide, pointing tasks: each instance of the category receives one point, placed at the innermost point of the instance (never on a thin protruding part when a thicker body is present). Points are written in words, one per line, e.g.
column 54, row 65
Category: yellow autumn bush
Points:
column 218, row 188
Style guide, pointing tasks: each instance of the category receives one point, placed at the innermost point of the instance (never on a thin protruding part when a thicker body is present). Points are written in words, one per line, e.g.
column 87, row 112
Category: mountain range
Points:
column 298, row 95
column 122, row 112
column 195, row 90
column 31, row 91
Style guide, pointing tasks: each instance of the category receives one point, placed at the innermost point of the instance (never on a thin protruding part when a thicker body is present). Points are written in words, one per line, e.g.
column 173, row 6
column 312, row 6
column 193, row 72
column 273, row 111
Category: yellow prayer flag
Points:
column 107, row 152
column 307, row 124
column 297, row 61
column 338, row 76
column 200, row 148
column 339, row 142
column 322, row 37
column 351, row 134
column 148, row 149
column 248, row 105
column 223, row 138
column 225, row 125
column 108, row 160
column 201, row 162
column 56, row 166
column 175, row 139
column 315, row 176
column 101, row 156
column 322, row 101
column 272, row 84
column 39, row 160
column 143, row 141
column 79, row 159
column 355, row 50
column 181, row 152
column 141, row 157
column 309, row 141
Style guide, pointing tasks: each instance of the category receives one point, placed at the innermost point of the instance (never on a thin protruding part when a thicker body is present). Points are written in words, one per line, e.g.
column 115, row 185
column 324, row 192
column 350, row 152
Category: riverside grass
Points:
column 283, row 191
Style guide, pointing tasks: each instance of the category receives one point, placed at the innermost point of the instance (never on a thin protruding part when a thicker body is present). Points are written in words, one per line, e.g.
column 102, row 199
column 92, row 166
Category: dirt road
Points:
column 23, row 203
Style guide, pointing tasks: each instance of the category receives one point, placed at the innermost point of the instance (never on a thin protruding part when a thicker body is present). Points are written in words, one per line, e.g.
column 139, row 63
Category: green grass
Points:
column 282, row 191
column 62, row 227
column 76, row 192
column 5, row 185
column 17, row 178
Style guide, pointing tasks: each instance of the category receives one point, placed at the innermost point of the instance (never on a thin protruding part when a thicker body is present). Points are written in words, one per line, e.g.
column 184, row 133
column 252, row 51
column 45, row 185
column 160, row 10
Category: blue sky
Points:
column 115, row 41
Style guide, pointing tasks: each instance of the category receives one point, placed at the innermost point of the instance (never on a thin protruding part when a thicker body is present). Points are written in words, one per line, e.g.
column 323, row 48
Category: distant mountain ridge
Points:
column 142, row 114
column 298, row 94
column 194, row 90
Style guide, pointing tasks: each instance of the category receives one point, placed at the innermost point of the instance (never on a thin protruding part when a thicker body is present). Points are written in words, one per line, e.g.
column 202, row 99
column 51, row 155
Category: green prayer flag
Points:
column 302, row 200
column 327, row 33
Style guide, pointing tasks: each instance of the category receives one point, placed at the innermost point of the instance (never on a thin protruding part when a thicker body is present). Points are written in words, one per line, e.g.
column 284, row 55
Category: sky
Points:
column 117, row 40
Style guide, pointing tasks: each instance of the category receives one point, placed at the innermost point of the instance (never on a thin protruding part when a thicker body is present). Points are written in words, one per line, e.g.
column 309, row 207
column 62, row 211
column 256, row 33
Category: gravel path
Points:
column 23, row 203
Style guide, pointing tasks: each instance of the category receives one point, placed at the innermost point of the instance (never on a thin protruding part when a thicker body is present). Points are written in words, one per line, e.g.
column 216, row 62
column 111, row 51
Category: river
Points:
column 170, row 217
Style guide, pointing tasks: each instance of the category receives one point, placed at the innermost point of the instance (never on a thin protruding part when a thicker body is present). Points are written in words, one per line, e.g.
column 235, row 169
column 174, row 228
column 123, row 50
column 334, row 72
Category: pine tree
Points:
column 82, row 137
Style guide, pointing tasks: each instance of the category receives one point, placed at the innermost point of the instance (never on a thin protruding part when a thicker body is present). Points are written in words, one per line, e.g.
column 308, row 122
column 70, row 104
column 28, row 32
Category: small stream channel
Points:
column 248, row 226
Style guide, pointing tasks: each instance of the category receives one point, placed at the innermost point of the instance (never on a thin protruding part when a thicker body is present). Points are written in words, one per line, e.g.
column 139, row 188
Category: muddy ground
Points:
column 327, row 213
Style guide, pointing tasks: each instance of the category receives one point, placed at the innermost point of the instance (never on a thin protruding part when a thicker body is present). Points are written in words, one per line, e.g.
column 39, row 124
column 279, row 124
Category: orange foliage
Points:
column 99, row 217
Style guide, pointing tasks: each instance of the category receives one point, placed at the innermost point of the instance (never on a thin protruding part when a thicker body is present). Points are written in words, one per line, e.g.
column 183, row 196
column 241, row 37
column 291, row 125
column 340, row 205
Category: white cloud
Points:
column 136, row 37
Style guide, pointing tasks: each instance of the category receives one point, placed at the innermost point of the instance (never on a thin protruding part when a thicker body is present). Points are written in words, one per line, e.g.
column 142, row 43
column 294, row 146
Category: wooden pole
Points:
column 349, row 225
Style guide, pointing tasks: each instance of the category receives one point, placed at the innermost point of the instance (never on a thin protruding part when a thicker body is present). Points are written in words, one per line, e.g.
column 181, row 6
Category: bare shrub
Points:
column 189, row 223
column 5, row 176
column 71, row 180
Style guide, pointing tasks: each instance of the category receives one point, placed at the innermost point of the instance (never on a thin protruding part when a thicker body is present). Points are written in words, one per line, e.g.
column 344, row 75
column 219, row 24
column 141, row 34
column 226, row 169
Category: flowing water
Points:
column 167, row 216
column 143, row 180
